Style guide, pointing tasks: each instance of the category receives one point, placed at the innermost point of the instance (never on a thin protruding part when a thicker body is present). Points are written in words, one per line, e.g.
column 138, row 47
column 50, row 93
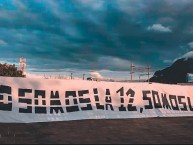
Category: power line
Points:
column 131, row 71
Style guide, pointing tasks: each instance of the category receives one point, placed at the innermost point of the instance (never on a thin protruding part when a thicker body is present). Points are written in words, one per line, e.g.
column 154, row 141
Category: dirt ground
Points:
column 177, row 130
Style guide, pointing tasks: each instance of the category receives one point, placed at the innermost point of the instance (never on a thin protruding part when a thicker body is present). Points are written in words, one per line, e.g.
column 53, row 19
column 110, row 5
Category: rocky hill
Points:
column 177, row 72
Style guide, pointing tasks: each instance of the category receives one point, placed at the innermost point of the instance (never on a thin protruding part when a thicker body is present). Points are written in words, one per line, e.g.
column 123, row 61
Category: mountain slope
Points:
column 177, row 72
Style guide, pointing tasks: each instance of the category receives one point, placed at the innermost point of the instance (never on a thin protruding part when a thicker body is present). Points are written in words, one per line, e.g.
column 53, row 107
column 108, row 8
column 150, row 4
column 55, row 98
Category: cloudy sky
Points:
column 101, row 35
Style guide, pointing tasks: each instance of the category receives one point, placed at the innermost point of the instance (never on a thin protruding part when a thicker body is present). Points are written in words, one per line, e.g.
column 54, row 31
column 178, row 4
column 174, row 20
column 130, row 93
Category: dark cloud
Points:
column 95, row 34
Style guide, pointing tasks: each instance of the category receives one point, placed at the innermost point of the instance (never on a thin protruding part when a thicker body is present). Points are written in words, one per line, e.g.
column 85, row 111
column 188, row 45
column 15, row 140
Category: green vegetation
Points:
column 10, row 70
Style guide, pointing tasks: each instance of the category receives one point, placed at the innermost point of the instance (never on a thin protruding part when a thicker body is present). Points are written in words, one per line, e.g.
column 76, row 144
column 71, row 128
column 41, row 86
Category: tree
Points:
column 10, row 70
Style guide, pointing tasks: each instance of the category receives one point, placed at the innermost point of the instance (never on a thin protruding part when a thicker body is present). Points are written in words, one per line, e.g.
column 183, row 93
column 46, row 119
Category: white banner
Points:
column 24, row 100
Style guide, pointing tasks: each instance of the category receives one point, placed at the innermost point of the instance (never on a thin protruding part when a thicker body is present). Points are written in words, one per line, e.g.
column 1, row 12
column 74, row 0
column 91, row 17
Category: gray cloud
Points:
column 190, row 44
column 2, row 42
column 84, row 34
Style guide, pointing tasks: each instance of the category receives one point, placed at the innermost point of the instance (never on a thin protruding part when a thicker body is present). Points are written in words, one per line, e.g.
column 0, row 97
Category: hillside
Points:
column 176, row 73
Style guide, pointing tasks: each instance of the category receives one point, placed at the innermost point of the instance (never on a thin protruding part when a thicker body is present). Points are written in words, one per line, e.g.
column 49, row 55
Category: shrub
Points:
column 10, row 70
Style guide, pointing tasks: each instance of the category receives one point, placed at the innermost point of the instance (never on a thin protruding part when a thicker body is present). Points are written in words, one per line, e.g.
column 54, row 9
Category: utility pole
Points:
column 71, row 75
column 83, row 76
column 131, row 71
column 148, row 71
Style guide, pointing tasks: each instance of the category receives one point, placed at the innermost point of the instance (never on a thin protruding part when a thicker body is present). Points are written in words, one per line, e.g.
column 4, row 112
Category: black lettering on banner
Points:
column 96, row 97
column 121, row 91
column 84, row 100
column 71, row 108
column 39, row 107
column 108, row 100
column 55, row 100
column 165, row 102
column 24, row 99
column 174, row 106
column 145, row 97
column 183, row 103
column 8, row 105
column 130, row 106
column 190, row 104
column 157, row 104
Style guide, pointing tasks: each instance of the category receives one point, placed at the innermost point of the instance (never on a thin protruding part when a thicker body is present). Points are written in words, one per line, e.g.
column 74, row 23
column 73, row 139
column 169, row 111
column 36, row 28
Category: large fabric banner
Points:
column 24, row 100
